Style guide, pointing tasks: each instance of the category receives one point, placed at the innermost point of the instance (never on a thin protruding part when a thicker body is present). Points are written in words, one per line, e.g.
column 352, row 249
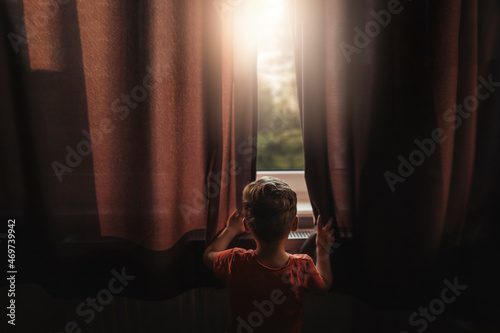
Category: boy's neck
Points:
column 271, row 254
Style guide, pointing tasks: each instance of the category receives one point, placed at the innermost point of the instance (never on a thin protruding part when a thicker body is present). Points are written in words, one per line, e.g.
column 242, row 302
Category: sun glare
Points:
column 270, row 17
column 271, row 31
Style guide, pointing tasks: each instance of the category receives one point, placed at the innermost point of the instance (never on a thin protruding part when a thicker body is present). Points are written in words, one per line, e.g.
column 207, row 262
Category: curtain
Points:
column 122, row 120
column 391, row 117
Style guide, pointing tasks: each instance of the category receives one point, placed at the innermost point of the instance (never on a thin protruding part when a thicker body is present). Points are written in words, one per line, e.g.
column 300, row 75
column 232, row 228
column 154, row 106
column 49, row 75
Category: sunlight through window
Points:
column 279, row 137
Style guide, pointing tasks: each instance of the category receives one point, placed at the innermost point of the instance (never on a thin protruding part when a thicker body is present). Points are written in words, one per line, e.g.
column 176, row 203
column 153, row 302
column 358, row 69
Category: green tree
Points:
column 279, row 140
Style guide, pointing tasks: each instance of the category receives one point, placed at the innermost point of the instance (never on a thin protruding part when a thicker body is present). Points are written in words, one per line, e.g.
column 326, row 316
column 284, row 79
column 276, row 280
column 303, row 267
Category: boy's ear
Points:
column 295, row 224
column 247, row 228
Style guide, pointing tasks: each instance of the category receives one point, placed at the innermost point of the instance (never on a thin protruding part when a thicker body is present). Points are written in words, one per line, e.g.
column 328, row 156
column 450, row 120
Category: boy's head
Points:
column 269, row 208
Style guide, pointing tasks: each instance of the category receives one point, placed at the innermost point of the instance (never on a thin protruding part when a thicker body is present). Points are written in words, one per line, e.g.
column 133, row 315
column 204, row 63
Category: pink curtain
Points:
column 126, row 114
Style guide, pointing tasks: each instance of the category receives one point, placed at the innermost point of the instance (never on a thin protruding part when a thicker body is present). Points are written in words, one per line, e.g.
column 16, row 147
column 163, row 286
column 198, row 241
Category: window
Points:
column 279, row 136
column 280, row 150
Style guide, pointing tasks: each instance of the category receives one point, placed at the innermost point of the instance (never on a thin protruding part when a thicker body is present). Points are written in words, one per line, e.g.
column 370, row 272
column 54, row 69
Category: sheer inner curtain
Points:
column 153, row 85
column 365, row 97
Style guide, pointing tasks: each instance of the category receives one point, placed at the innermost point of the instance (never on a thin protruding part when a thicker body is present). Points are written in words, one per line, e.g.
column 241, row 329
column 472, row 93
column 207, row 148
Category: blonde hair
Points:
column 269, row 208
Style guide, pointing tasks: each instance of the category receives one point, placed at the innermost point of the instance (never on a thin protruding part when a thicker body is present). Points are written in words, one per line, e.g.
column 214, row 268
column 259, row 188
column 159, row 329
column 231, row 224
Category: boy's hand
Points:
column 235, row 223
column 234, row 227
column 324, row 239
column 324, row 242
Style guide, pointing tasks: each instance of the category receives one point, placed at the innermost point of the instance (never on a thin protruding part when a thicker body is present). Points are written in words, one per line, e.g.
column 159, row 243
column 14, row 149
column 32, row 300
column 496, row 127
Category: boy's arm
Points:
column 324, row 242
column 234, row 227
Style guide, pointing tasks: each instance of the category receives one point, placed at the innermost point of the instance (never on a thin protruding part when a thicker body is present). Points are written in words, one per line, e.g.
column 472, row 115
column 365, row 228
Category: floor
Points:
column 207, row 310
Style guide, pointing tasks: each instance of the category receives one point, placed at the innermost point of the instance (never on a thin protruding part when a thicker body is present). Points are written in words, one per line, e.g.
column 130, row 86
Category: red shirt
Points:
column 265, row 299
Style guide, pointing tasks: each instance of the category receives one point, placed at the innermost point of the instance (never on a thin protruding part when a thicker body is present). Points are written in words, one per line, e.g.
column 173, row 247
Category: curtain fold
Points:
column 389, row 107
column 131, row 111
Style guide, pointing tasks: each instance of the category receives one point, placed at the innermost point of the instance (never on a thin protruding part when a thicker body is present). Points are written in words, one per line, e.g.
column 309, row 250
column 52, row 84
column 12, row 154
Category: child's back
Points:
column 264, row 298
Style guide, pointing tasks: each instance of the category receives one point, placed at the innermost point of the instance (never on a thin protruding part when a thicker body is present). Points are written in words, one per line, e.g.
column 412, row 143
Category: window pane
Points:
column 279, row 136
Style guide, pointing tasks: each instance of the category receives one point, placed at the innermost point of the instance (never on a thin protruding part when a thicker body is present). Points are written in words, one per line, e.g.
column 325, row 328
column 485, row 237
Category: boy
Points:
column 267, row 285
